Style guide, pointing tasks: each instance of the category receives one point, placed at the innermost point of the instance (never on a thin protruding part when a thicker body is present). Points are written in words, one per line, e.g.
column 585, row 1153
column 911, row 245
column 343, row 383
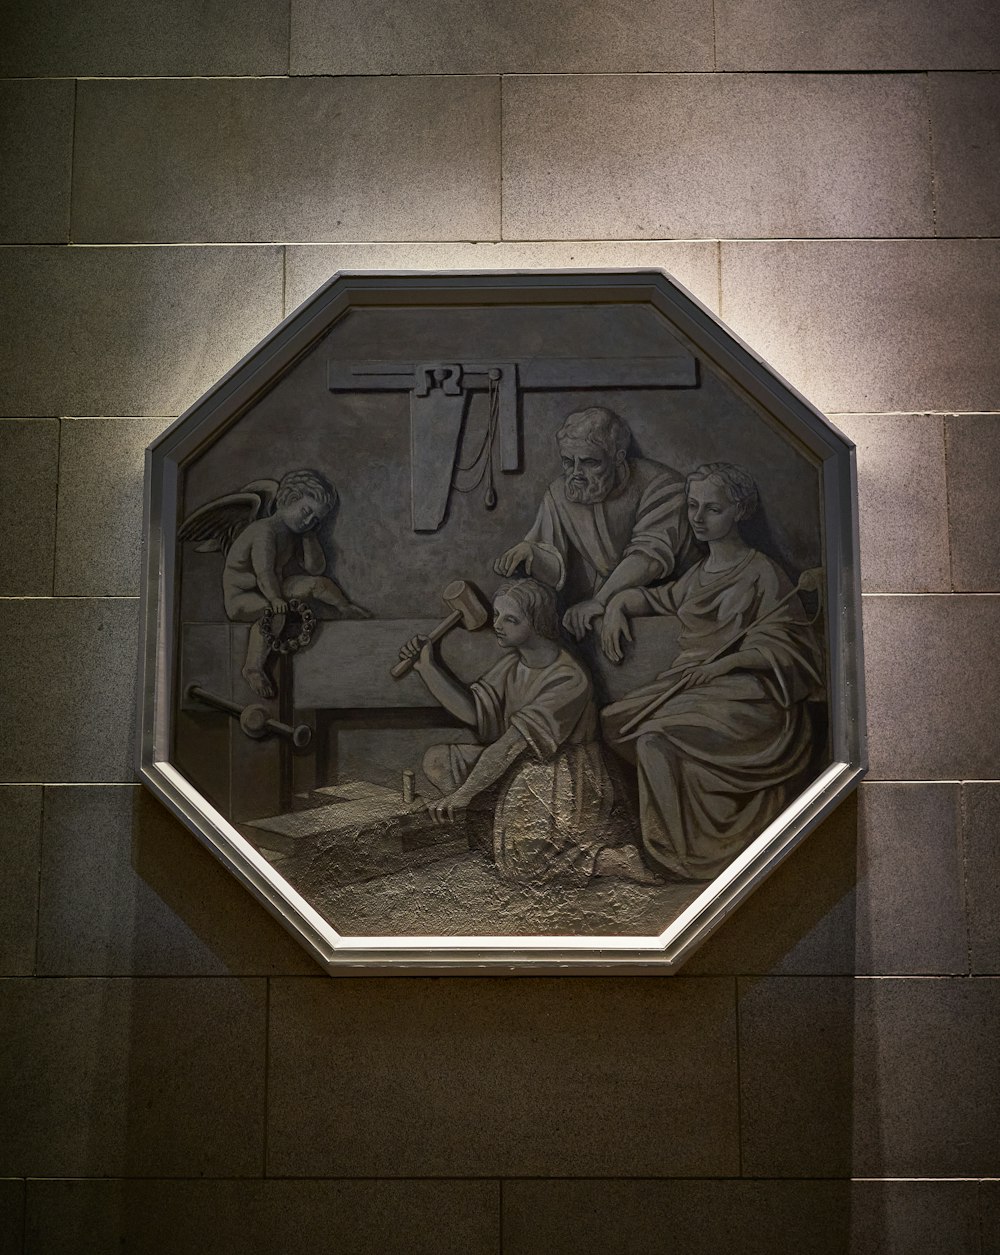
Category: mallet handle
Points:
column 405, row 664
column 253, row 719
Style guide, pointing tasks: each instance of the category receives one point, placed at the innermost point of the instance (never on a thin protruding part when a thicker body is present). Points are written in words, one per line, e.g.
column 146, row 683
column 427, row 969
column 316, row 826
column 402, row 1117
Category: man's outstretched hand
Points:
column 614, row 630
column 511, row 559
column 579, row 619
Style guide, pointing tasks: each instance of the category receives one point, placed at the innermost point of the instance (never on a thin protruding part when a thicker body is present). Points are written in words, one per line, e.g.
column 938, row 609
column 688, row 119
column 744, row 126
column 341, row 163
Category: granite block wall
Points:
column 175, row 1075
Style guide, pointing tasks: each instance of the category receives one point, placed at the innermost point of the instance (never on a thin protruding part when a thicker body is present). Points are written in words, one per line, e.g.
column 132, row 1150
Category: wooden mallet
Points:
column 468, row 608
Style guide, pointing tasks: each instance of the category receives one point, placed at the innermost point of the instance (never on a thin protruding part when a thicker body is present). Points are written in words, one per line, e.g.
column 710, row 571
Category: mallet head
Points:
column 465, row 598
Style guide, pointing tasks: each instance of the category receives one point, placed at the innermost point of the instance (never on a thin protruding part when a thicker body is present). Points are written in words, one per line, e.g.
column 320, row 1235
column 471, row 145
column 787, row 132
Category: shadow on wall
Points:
column 198, row 917
column 806, row 1074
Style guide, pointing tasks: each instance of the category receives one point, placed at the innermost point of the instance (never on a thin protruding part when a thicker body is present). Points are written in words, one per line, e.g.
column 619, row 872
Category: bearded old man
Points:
column 610, row 523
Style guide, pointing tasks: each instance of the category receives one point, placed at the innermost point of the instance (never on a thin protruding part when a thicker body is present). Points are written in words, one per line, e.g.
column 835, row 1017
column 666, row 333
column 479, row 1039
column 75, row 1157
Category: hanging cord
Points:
column 483, row 460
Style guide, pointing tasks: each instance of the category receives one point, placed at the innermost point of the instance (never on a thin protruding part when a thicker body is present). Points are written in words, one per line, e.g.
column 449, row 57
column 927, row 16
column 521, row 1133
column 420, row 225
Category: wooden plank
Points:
column 347, row 665
column 680, row 371
column 370, row 832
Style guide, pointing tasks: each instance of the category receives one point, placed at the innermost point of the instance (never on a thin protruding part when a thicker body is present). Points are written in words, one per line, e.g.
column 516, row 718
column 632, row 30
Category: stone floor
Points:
column 463, row 895
column 374, row 866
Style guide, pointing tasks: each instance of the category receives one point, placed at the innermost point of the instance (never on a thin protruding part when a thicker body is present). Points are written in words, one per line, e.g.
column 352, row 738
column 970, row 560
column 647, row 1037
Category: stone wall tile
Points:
column 855, row 35
column 12, row 1212
column 126, row 889
column 463, row 37
column 29, row 468
column 67, row 688
column 871, row 326
column 740, row 1217
column 797, row 1043
column 132, row 331
column 877, row 889
column 287, row 159
column 36, row 140
column 903, row 501
column 20, row 853
column 981, row 839
column 497, row 1077
column 933, row 684
column 683, row 156
column 965, row 127
column 695, row 265
column 132, row 1078
column 260, row 1217
column 869, row 1078
column 914, row 1218
column 100, row 505
column 973, row 442
column 989, row 1196
column 910, row 904
column 138, row 37
column 451, row 37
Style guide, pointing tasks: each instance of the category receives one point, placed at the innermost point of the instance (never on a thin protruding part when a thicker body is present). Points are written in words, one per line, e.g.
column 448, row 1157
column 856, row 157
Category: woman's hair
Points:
column 538, row 602
column 298, row 484
column 738, row 485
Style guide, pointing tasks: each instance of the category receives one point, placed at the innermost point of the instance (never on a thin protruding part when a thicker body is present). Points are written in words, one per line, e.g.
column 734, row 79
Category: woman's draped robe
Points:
column 551, row 817
column 716, row 761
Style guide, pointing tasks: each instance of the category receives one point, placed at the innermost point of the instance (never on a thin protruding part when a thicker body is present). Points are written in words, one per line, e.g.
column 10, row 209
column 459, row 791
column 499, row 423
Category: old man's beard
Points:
column 590, row 486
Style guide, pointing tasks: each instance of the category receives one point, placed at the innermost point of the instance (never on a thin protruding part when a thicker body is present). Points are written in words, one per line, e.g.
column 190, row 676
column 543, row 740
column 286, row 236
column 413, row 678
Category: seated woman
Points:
column 535, row 715
column 719, row 739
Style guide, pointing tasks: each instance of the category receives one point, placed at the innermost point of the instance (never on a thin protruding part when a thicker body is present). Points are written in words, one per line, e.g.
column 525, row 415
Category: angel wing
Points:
column 217, row 523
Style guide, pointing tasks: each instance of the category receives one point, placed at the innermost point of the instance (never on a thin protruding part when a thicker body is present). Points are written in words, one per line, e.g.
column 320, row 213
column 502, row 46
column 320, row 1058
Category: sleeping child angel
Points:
column 263, row 529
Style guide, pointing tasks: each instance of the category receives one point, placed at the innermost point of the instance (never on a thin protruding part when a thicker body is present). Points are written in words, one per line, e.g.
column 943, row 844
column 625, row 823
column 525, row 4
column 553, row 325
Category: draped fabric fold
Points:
column 553, row 809
column 716, row 762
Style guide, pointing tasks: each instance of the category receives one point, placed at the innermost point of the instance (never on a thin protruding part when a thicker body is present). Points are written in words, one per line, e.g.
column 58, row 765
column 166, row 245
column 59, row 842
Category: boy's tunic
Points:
column 552, row 814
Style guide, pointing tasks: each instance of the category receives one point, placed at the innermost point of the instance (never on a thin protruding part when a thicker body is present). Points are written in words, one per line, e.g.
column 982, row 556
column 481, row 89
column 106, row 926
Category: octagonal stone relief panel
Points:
column 501, row 621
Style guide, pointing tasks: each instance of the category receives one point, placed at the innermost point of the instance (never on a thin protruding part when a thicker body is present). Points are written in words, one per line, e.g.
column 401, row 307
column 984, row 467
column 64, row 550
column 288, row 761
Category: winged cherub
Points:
column 260, row 530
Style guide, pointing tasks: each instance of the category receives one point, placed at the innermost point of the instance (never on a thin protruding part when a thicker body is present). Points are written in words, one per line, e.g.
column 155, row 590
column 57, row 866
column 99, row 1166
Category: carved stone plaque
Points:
column 501, row 621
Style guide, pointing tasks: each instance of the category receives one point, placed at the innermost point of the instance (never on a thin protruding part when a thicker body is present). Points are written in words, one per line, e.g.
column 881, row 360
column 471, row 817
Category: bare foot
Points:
column 626, row 863
column 258, row 681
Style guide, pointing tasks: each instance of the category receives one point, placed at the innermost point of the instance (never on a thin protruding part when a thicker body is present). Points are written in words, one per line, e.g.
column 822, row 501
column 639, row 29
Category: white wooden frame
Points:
column 237, row 391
